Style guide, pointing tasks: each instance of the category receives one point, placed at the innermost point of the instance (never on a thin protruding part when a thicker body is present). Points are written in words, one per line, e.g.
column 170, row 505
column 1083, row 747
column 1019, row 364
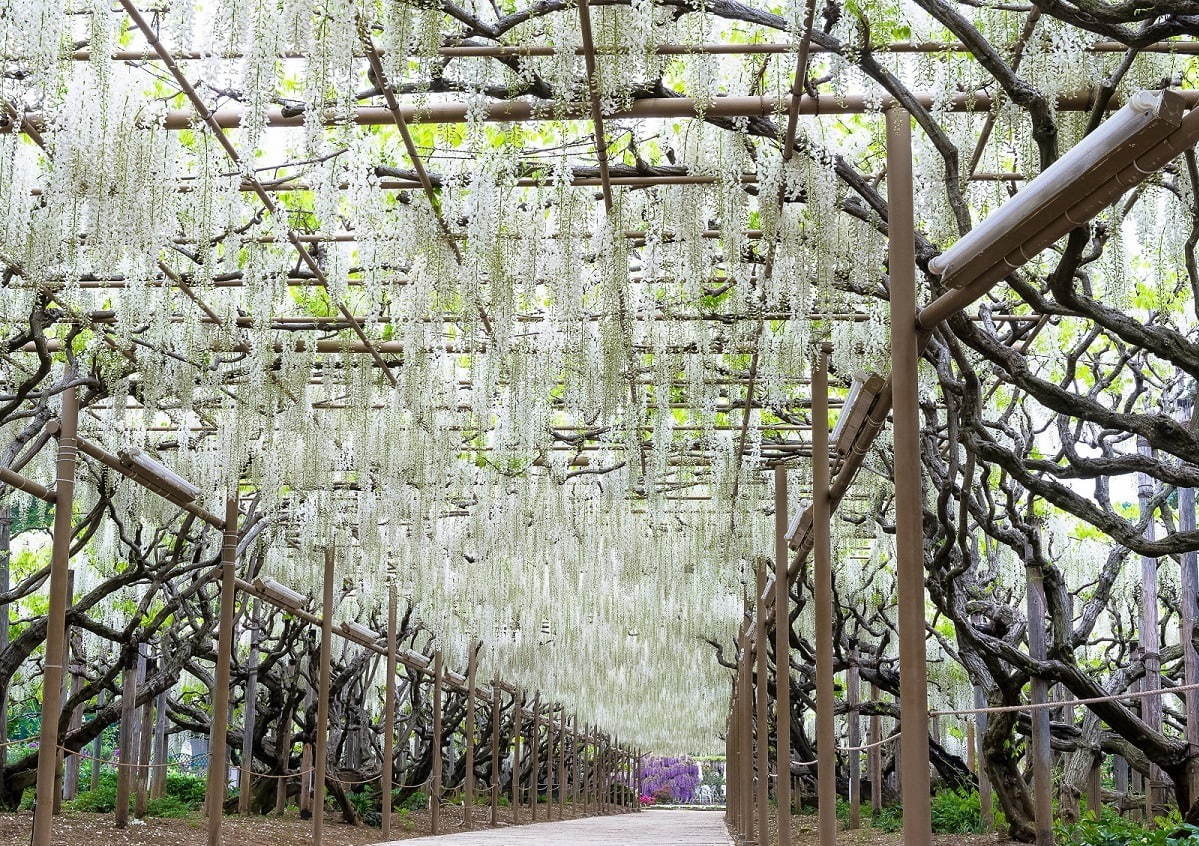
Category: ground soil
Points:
column 75, row 828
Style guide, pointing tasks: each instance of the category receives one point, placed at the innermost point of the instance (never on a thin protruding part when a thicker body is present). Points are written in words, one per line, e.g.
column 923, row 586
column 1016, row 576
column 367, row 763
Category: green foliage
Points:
column 102, row 800
column 953, row 812
column 889, row 819
column 183, row 795
column 365, row 803
column 1110, row 829
column 416, row 801
column 957, row 812
column 169, row 806
column 187, row 788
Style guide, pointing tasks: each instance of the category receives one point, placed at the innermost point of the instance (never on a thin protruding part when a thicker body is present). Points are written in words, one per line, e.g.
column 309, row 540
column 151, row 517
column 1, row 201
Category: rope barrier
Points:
column 113, row 761
column 1039, row 706
column 281, row 775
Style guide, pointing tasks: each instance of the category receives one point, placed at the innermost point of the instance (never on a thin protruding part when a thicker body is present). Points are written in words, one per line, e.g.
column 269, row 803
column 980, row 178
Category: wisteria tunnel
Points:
column 599, row 422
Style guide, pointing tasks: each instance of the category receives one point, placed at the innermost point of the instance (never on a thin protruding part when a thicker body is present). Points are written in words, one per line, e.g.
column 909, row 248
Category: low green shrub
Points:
column 1111, row 829
column 957, row 812
column 169, row 806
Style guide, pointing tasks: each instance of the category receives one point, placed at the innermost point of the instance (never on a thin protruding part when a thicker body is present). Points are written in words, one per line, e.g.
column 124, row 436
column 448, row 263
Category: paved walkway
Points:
column 648, row 828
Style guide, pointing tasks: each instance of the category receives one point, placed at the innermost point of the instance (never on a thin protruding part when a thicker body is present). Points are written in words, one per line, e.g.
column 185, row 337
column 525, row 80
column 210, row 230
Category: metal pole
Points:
column 218, row 730
column 322, row 703
column 782, row 659
column 56, row 620
column 909, row 512
column 822, row 578
column 389, row 712
column 435, row 789
column 762, row 703
column 468, row 788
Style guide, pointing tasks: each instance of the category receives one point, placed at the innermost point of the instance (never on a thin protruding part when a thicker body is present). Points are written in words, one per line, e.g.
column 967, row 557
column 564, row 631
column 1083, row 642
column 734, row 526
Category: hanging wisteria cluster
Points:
column 523, row 411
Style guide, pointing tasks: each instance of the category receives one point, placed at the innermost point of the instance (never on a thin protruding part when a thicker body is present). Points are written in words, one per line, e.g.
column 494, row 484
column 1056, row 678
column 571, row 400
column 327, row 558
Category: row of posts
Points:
column 596, row 773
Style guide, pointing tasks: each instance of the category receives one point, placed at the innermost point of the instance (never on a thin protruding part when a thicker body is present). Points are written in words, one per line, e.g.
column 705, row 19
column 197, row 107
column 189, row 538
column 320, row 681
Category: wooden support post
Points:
column 438, row 743
column 761, row 704
column 469, row 739
column 563, row 735
column 98, row 746
column 1151, row 706
column 217, row 738
column 495, row 751
column 387, row 779
column 145, row 737
column 127, row 734
column 1040, row 750
column 245, row 790
column 306, row 779
column 986, row 809
column 874, row 757
column 534, row 749
column 852, row 696
column 158, row 776
column 782, row 659
column 909, row 511
column 70, row 781
column 1095, row 788
column 1189, row 602
column 320, row 754
column 5, row 611
column 745, row 767
column 518, row 707
column 56, row 618
column 822, row 577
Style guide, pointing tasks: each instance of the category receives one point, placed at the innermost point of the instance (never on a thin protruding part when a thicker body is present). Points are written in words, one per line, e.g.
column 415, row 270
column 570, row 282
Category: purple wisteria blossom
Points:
column 669, row 780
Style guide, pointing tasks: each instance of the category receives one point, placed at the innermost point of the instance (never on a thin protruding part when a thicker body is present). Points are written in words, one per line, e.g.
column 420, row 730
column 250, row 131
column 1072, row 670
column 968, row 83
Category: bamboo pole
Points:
column 469, row 739
column 56, row 616
column 521, row 111
column 782, row 659
column 389, row 712
column 217, row 738
column 320, row 754
column 909, row 541
column 761, row 705
column 822, row 578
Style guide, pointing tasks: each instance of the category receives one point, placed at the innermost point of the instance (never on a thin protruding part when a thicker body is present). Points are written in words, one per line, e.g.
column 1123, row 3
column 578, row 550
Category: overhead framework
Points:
column 531, row 322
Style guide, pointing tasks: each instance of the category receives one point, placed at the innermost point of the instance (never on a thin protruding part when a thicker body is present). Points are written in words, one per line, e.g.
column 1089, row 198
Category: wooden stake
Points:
column 321, row 754
column 56, row 617
column 518, row 706
column 909, row 517
column 761, row 705
column 534, row 749
column 217, row 738
column 145, row 739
